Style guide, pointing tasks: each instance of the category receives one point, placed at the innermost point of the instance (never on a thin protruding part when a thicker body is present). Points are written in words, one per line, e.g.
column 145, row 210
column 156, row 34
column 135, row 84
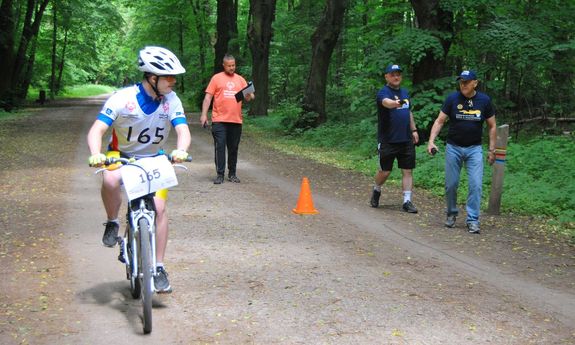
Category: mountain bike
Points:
column 141, row 178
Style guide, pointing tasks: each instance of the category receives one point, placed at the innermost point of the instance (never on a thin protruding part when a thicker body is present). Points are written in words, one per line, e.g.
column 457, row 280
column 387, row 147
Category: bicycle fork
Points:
column 134, row 216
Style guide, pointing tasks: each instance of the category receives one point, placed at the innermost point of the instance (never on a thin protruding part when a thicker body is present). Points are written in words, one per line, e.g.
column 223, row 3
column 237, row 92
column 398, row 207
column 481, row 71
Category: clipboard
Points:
column 240, row 95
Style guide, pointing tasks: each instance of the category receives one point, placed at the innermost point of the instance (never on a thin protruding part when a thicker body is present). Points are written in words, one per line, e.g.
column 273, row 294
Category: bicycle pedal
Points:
column 121, row 256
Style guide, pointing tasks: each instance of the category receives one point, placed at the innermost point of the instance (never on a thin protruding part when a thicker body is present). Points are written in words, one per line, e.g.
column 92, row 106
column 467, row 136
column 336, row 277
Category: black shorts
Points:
column 404, row 152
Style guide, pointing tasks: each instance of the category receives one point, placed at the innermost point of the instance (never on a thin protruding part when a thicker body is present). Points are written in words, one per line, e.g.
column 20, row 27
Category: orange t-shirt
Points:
column 224, row 88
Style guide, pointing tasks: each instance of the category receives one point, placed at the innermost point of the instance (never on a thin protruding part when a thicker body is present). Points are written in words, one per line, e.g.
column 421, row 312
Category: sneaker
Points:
column 219, row 179
column 374, row 202
column 450, row 221
column 233, row 178
column 409, row 207
column 110, row 237
column 473, row 228
column 161, row 282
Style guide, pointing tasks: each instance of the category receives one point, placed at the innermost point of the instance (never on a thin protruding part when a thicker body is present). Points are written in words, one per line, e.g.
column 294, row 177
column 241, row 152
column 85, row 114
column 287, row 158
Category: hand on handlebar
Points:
column 97, row 160
column 179, row 156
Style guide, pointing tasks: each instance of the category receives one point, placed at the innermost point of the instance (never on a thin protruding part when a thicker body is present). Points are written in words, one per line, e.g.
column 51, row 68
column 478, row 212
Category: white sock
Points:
column 406, row 196
column 377, row 188
column 117, row 221
column 159, row 264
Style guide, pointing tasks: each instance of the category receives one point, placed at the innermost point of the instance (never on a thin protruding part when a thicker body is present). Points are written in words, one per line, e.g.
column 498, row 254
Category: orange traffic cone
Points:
column 305, row 202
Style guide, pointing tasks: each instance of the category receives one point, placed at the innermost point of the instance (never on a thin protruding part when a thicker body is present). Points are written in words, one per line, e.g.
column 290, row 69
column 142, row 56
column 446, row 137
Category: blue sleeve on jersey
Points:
column 105, row 119
column 178, row 121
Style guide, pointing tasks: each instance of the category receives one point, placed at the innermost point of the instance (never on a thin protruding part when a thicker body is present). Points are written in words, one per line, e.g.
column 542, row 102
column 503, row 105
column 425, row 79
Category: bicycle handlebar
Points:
column 113, row 160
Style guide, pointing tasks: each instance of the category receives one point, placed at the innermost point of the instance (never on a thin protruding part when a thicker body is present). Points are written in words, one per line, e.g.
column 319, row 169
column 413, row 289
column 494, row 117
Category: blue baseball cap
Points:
column 467, row 75
column 392, row 68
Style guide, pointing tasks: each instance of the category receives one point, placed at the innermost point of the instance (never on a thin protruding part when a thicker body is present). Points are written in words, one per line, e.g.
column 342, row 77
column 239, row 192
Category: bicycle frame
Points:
column 139, row 208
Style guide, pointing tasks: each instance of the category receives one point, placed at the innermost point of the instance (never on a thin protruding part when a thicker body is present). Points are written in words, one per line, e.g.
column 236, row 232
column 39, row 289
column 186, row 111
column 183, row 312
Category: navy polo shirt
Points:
column 466, row 117
column 393, row 124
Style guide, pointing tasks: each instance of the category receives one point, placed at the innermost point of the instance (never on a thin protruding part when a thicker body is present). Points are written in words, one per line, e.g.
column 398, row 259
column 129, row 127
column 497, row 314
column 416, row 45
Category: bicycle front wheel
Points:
column 147, row 273
column 135, row 287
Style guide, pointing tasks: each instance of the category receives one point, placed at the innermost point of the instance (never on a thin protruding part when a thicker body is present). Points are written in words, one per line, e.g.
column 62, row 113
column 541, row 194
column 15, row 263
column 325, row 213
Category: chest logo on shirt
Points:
column 230, row 85
column 166, row 107
column 467, row 115
column 130, row 106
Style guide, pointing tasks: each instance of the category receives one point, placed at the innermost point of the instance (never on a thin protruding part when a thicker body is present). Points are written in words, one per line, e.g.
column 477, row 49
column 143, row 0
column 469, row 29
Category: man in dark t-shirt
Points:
column 466, row 110
column 396, row 136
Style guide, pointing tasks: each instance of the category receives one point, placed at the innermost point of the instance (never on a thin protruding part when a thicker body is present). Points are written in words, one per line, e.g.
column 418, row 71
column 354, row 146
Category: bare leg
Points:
column 407, row 180
column 111, row 193
column 381, row 177
column 161, row 229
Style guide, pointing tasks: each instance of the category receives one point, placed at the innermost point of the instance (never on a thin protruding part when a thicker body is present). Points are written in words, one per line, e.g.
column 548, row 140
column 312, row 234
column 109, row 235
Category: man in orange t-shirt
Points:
column 226, row 117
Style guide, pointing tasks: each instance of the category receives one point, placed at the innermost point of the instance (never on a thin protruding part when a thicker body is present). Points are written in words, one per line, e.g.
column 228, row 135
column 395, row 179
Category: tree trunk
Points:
column 430, row 16
column 182, row 86
column 200, row 12
column 18, row 76
column 62, row 60
column 7, row 34
column 54, row 47
column 262, row 15
column 27, row 70
column 227, row 30
column 323, row 42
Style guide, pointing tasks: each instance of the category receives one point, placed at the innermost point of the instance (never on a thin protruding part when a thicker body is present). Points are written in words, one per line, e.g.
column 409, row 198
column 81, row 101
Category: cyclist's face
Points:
column 166, row 84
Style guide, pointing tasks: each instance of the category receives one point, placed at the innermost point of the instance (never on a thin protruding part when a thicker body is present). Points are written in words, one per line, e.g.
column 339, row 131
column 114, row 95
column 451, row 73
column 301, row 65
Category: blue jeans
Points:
column 455, row 157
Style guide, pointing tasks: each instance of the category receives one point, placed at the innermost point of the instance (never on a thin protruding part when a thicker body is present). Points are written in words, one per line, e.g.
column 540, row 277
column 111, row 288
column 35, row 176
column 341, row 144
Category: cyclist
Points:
column 141, row 117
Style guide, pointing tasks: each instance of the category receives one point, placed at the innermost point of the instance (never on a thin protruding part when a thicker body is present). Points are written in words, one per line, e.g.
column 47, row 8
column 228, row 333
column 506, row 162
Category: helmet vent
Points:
column 157, row 65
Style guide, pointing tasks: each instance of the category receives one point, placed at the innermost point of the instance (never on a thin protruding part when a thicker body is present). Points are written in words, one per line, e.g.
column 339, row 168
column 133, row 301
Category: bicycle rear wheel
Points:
column 147, row 282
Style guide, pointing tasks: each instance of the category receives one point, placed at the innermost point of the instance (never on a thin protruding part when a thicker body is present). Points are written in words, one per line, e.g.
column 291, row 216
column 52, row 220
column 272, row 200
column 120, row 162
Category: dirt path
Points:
column 245, row 270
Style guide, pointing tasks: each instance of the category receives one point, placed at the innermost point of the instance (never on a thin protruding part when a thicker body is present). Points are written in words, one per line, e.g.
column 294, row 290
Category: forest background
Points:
column 317, row 66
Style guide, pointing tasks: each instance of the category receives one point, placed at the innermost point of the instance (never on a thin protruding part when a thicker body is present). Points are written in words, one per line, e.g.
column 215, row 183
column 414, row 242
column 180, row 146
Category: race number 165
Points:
column 154, row 174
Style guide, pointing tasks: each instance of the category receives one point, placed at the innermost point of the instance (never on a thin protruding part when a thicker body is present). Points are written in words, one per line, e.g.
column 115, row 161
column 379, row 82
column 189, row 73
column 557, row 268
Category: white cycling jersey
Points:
column 140, row 124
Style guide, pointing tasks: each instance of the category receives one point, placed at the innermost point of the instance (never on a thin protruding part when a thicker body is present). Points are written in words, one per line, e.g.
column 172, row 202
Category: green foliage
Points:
column 542, row 176
column 87, row 90
column 415, row 44
column 428, row 98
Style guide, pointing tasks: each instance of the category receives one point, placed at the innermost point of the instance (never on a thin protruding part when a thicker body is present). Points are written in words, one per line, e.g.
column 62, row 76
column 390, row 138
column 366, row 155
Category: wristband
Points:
column 414, row 130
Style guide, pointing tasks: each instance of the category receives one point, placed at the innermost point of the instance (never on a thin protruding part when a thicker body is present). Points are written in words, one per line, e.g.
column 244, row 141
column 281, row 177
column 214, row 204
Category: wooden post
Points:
column 498, row 170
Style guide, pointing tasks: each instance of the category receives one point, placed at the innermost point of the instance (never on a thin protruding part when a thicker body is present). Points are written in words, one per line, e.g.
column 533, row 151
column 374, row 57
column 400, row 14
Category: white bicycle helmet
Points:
column 159, row 61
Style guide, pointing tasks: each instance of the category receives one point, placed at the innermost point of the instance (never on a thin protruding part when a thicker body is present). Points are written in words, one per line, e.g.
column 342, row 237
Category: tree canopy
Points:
column 523, row 51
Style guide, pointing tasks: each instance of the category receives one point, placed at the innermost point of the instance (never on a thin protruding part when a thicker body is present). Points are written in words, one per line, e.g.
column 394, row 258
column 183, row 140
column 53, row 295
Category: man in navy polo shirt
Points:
column 466, row 111
column 396, row 136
